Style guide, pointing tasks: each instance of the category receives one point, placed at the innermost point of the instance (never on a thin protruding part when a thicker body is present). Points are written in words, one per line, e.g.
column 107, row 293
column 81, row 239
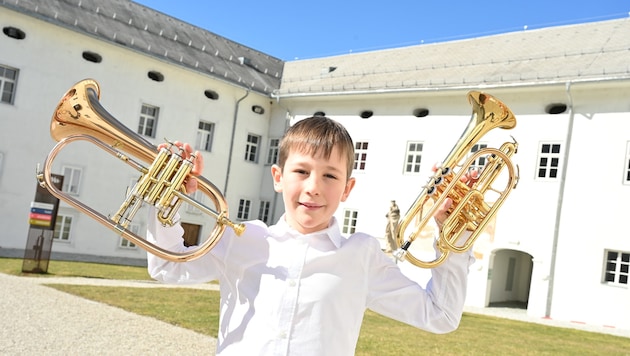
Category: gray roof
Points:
column 137, row 27
column 585, row 52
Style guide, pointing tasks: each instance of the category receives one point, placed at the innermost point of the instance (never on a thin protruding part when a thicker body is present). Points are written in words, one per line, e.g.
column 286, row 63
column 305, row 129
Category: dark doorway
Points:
column 191, row 234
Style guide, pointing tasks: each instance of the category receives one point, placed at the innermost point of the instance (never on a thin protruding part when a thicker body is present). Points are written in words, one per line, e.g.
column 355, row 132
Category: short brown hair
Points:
column 318, row 135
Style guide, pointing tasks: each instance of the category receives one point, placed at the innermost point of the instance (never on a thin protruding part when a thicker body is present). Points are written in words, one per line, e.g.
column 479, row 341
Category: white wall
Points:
column 45, row 77
column 591, row 206
column 594, row 211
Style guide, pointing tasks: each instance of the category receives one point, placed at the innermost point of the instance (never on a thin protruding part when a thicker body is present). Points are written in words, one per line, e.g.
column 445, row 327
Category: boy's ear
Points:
column 276, row 174
column 349, row 185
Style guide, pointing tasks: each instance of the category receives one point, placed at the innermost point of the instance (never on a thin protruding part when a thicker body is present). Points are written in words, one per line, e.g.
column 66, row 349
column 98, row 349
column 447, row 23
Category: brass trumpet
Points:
column 79, row 116
column 470, row 212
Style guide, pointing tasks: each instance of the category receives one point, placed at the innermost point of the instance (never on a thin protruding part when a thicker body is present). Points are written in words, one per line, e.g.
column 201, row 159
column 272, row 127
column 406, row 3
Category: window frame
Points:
column 244, row 209
column 617, row 267
column 69, row 180
column 273, row 151
column 360, row 155
column 206, row 135
column 549, row 158
column 350, row 218
column 60, row 224
column 252, row 149
column 145, row 117
column 477, row 164
column 126, row 244
column 6, row 81
column 413, row 166
column 199, row 196
column 264, row 211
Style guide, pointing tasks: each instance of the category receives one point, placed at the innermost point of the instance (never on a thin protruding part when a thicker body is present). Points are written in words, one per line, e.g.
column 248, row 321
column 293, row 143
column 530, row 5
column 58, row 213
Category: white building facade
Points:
column 557, row 245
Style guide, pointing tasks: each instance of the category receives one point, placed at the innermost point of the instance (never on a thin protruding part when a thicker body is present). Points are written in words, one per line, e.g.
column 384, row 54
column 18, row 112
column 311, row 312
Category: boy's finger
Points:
column 198, row 166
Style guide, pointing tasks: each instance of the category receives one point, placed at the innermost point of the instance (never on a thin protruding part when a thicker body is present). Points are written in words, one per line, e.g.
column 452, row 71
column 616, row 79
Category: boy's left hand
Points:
column 442, row 213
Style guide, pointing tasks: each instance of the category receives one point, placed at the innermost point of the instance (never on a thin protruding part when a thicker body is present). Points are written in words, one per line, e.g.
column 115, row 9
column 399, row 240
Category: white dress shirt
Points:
column 285, row 293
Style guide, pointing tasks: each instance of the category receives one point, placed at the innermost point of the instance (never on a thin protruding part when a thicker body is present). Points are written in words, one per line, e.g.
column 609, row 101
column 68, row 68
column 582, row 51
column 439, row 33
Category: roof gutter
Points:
column 278, row 96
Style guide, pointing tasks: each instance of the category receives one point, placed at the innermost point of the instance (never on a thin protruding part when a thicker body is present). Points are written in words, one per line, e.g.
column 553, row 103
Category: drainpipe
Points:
column 229, row 165
column 563, row 177
column 276, row 195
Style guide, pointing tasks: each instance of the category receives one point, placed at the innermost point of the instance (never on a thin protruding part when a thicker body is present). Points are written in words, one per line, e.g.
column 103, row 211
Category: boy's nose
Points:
column 312, row 185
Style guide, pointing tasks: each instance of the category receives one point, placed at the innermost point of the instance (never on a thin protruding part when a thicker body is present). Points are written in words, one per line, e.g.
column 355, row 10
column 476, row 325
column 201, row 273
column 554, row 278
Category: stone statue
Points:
column 393, row 216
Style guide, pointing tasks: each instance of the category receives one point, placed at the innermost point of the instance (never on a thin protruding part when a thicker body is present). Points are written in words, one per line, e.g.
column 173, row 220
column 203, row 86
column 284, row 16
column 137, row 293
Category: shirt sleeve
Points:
column 437, row 309
column 204, row 269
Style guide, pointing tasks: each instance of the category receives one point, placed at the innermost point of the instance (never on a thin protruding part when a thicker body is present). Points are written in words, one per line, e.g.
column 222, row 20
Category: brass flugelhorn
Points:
column 79, row 116
column 470, row 211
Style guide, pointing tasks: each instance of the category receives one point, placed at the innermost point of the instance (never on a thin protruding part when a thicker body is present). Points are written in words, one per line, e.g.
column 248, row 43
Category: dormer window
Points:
column 14, row 32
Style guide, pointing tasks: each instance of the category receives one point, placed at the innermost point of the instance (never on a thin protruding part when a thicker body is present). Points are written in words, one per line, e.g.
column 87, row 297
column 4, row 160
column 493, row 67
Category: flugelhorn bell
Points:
column 79, row 116
column 471, row 210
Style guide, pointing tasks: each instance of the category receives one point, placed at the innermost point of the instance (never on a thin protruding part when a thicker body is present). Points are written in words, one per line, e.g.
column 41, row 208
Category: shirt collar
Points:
column 282, row 229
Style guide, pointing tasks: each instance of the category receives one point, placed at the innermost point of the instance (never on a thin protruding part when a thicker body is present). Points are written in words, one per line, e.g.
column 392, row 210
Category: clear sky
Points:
column 302, row 29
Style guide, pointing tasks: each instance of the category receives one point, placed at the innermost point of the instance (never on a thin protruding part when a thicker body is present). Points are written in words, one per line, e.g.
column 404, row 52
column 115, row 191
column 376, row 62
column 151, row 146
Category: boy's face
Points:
column 312, row 188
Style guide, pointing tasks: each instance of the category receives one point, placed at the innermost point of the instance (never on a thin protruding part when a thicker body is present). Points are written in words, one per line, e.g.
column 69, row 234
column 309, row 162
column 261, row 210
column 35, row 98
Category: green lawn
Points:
column 477, row 334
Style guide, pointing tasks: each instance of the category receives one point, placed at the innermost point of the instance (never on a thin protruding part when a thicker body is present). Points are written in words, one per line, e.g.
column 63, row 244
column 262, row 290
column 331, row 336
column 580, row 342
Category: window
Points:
column 71, row 180
column 272, row 154
column 257, row 109
column 63, row 224
column 211, row 94
column 124, row 243
column 414, row 157
column 8, row 82
column 148, row 120
column 263, row 211
column 548, row 161
column 480, row 162
column 243, row 209
column 205, row 132
column 626, row 169
column 14, row 32
column 617, row 268
column 92, row 57
column 349, row 221
column 360, row 155
column 198, row 196
column 155, row 75
column 251, row 149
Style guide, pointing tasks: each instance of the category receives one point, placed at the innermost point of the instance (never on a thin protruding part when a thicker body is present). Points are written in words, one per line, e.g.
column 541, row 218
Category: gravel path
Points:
column 39, row 320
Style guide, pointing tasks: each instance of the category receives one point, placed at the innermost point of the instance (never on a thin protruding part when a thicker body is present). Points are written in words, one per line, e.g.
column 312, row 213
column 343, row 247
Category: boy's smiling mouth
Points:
column 310, row 205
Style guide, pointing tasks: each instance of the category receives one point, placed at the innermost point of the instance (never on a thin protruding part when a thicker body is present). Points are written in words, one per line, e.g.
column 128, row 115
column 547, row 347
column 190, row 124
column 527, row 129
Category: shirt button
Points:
column 292, row 283
column 282, row 335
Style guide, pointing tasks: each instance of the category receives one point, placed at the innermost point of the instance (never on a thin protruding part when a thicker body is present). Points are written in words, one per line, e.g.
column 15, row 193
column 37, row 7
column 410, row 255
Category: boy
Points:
column 299, row 287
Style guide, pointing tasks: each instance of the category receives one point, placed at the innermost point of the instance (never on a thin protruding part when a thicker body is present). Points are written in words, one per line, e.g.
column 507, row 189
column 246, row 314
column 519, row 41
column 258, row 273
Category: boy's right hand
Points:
column 186, row 151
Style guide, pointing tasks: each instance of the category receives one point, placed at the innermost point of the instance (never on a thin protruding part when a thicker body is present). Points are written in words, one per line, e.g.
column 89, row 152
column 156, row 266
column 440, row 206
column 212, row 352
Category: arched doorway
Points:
column 509, row 279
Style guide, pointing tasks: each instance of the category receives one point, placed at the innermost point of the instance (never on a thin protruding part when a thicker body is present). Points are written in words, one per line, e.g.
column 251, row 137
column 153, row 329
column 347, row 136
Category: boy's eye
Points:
column 331, row 176
column 301, row 171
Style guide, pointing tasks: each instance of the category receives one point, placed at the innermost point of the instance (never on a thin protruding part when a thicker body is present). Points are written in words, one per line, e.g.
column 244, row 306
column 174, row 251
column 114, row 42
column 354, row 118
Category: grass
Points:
column 477, row 335
column 77, row 269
